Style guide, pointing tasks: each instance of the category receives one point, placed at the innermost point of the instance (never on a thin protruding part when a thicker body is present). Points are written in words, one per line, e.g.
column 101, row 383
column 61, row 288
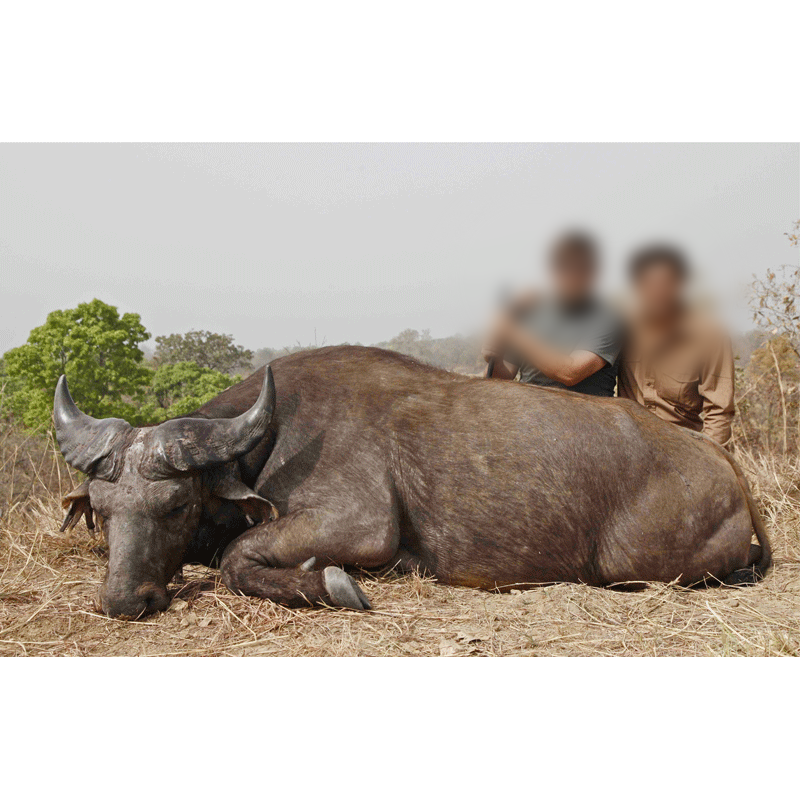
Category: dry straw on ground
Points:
column 48, row 581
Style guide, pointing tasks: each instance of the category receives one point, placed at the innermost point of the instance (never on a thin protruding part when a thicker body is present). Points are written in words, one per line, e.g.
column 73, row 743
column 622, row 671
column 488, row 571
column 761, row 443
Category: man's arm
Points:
column 716, row 388
column 568, row 369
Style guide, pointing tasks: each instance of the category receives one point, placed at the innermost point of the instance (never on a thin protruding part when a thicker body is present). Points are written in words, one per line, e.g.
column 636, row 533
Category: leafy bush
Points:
column 769, row 386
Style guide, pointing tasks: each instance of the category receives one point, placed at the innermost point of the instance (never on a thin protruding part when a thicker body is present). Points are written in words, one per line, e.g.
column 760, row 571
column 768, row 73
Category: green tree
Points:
column 96, row 348
column 181, row 388
column 206, row 349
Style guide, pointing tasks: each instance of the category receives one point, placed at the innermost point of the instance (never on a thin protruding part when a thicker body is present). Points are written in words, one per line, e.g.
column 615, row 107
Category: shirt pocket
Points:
column 679, row 389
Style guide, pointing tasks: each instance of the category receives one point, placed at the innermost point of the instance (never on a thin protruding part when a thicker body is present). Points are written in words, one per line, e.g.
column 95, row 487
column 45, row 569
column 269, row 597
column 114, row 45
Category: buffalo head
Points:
column 149, row 487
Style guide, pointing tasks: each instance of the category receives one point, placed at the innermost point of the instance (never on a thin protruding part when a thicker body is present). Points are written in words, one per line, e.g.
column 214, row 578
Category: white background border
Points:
column 434, row 71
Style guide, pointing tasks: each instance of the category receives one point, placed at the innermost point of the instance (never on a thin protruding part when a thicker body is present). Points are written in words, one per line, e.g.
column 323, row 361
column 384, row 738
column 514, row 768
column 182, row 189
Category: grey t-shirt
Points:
column 592, row 326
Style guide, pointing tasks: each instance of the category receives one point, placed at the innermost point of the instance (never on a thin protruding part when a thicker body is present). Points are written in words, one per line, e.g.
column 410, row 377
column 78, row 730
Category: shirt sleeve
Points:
column 605, row 340
column 716, row 388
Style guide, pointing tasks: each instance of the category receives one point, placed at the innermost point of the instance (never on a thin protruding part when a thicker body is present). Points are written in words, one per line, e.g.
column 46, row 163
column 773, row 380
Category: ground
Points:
column 48, row 581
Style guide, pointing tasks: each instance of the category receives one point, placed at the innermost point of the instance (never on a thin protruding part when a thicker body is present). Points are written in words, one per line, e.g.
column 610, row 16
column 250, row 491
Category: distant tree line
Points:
column 456, row 353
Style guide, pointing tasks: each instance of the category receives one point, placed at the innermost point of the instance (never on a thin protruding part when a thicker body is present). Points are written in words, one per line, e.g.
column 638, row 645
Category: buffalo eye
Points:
column 178, row 511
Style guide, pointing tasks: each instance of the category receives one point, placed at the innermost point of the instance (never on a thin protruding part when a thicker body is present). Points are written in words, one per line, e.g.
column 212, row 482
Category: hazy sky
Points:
column 357, row 242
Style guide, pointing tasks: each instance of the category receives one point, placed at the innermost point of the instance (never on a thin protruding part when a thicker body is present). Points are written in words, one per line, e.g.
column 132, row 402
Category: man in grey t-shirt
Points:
column 570, row 340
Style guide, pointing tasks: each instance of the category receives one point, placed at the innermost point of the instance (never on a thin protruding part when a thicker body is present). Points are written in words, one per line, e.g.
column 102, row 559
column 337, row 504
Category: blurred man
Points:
column 568, row 339
column 676, row 362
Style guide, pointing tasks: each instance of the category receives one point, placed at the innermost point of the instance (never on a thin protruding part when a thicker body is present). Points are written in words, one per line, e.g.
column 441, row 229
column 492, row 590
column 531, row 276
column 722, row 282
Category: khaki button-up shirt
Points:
column 686, row 377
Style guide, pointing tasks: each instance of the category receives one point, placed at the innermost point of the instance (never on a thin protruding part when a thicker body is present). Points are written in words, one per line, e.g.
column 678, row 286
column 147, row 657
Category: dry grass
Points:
column 48, row 581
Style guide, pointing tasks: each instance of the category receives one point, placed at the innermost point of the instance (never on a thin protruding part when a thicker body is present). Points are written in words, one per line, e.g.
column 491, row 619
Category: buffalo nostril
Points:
column 154, row 597
column 123, row 608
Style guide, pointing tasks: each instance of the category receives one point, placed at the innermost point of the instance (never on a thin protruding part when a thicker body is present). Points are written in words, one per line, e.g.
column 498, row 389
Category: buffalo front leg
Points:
column 364, row 538
column 246, row 568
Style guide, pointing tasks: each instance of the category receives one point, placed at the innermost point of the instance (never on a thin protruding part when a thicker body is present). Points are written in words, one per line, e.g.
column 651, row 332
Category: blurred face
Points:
column 573, row 276
column 659, row 291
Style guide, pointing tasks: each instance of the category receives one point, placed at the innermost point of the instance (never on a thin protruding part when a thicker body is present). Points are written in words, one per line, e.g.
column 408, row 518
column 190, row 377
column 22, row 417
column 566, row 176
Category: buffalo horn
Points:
column 193, row 443
column 85, row 442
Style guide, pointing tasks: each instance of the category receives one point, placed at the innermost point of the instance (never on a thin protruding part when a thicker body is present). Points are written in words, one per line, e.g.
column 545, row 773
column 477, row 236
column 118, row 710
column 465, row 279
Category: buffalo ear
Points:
column 225, row 483
column 78, row 505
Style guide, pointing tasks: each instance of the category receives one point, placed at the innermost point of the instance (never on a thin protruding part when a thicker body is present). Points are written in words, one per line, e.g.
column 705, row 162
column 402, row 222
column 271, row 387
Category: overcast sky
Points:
column 356, row 242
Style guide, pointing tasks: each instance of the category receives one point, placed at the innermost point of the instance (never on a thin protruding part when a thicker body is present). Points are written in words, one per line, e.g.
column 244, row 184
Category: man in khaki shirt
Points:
column 676, row 362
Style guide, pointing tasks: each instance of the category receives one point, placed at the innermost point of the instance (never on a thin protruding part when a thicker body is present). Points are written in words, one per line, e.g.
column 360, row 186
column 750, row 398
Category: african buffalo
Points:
column 358, row 456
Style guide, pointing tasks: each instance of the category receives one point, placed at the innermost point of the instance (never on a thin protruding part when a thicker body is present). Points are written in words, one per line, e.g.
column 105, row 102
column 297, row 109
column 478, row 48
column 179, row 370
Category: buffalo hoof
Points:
column 343, row 590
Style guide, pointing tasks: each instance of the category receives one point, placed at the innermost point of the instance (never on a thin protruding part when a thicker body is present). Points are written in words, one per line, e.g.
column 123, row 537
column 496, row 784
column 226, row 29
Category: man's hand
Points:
column 495, row 342
column 488, row 353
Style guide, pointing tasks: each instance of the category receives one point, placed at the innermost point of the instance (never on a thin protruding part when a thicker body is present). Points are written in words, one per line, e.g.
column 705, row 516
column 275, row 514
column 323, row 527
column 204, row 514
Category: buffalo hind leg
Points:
column 749, row 575
column 405, row 562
